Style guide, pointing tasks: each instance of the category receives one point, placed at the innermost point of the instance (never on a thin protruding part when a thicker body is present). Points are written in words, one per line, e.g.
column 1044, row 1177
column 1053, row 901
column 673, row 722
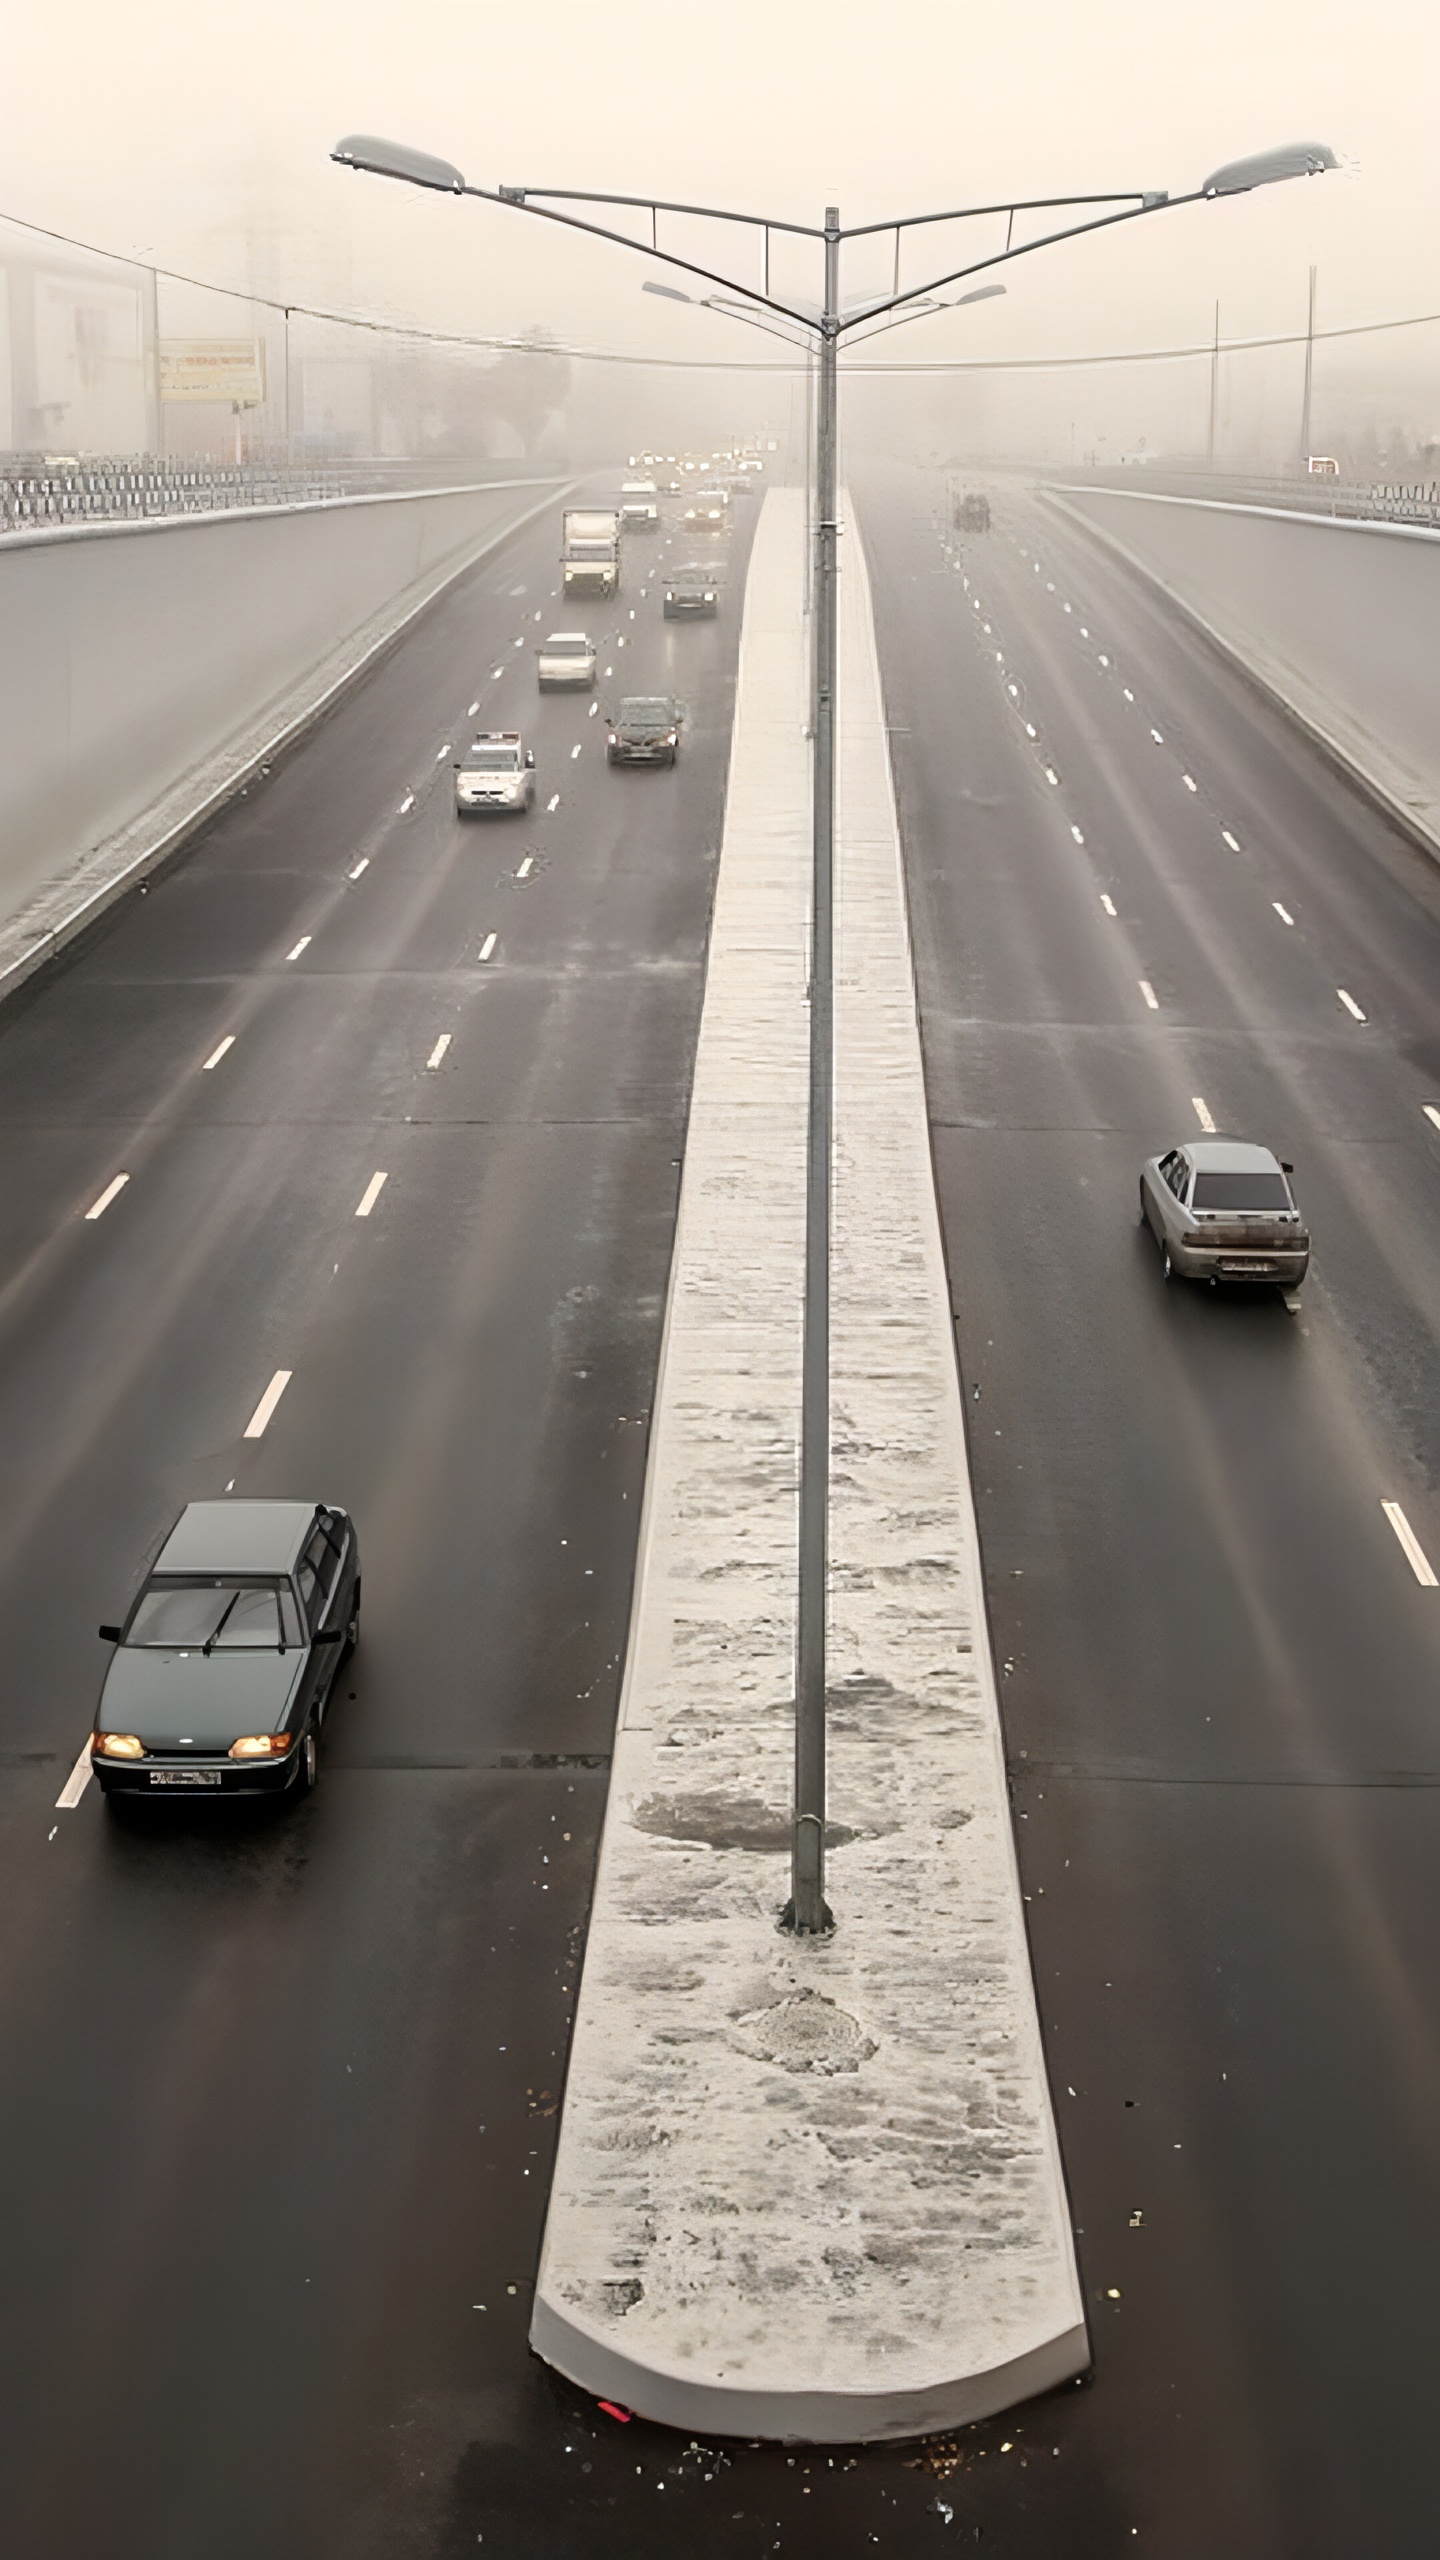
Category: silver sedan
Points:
column 1220, row 1210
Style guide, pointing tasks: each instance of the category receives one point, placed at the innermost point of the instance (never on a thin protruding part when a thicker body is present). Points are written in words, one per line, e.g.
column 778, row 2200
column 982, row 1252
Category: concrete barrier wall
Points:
column 1340, row 621
column 132, row 655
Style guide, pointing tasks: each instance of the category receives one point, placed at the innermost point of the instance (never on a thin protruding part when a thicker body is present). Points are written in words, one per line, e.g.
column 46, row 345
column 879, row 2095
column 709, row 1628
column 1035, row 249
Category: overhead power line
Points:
column 892, row 367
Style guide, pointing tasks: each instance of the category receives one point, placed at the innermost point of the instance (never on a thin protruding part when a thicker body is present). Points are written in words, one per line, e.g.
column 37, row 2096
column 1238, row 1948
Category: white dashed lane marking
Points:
column 259, row 1420
column 1227, row 838
column 474, row 707
column 488, row 945
column 438, row 1052
column 1079, row 838
column 1149, row 995
column 362, row 865
column 1432, row 1113
column 111, row 1192
column 1202, row 1114
column 1349, row 1003
column 371, row 1194
column 575, row 750
column 217, row 1054
column 552, row 804
column 1189, row 781
column 75, row 1785
column 1107, row 903
column 1282, row 912
column 407, row 804
column 302, row 945
column 1415, row 1555
column 525, row 868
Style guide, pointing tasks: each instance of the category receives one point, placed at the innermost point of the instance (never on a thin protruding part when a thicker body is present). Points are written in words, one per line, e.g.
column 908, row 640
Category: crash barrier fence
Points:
column 1368, row 502
column 38, row 493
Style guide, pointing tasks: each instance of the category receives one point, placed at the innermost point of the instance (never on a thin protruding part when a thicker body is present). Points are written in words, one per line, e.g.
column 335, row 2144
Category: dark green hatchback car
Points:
column 223, row 1668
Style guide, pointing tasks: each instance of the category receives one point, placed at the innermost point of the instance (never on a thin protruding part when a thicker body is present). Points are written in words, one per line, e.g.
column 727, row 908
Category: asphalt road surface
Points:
column 1221, row 1673
column 277, row 2106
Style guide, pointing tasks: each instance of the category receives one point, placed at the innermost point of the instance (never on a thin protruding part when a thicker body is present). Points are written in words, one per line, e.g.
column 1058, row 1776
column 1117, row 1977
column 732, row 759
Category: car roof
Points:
column 633, row 702
column 1229, row 1155
column 496, row 738
column 552, row 636
column 236, row 1537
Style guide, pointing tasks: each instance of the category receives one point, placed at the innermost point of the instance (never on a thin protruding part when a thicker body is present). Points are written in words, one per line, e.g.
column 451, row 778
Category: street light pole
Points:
column 807, row 1910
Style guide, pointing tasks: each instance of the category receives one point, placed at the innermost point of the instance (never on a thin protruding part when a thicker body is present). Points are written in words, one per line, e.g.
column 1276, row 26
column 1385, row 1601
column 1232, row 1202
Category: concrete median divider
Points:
column 808, row 2189
column 147, row 670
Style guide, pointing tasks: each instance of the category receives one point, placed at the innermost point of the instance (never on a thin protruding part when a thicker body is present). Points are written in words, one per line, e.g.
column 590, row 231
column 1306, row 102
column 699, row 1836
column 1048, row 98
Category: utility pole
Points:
column 1309, row 379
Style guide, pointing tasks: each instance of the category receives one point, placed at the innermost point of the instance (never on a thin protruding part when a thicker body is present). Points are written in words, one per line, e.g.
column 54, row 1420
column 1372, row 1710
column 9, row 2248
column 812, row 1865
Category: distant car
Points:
column 639, row 506
column 972, row 512
column 690, row 590
column 709, row 510
column 224, row 1665
column 645, row 730
column 1224, row 1211
column 497, row 771
column 566, row 658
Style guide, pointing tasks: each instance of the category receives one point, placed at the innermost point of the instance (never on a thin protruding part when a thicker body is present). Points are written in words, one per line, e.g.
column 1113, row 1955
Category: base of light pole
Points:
column 824, row 1927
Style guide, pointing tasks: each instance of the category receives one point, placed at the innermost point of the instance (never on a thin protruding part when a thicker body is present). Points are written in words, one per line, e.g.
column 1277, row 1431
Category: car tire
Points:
column 307, row 1774
column 1167, row 1267
column 352, row 1631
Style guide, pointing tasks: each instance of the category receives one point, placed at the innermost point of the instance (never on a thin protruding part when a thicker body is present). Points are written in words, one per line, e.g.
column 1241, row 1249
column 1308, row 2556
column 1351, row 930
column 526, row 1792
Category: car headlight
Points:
column 117, row 1746
column 614, row 741
column 261, row 1746
column 670, row 741
column 709, row 595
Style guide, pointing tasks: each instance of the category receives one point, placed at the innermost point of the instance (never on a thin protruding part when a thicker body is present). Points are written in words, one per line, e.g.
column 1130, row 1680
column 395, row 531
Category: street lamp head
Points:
column 667, row 292
column 1263, row 168
column 982, row 293
column 397, row 160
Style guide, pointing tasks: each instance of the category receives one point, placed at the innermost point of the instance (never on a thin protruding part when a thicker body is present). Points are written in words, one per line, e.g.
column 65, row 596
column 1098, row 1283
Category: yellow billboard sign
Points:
column 227, row 369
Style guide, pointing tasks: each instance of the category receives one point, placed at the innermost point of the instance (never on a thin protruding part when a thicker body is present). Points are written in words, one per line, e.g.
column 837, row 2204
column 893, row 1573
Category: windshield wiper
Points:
column 216, row 1632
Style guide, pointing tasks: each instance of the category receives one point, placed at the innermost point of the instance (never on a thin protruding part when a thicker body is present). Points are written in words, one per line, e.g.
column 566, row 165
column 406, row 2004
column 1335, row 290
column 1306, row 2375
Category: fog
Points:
column 200, row 142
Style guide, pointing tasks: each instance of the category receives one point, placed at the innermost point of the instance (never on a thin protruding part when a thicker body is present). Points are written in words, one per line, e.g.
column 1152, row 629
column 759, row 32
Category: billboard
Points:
column 227, row 369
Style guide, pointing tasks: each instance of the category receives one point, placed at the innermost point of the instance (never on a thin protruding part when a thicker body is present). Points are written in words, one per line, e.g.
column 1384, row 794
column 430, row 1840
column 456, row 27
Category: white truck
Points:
column 590, row 553
column 639, row 506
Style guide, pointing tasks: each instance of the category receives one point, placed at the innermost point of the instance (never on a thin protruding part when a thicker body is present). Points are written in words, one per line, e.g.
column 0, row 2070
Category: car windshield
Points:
column 1236, row 1191
column 646, row 715
column 223, row 1612
column 493, row 760
column 567, row 644
column 695, row 574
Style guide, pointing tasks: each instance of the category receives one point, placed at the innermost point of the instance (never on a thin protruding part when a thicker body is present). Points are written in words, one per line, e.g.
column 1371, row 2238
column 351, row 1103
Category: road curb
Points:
column 808, row 2189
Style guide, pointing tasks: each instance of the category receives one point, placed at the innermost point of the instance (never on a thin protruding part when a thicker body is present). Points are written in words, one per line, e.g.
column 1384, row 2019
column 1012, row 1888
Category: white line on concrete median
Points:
column 217, row 1054
column 76, row 1784
column 111, row 1192
column 1416, row 1557
column 302, row 945
column 438, row 1052
column 1149, row 995
column 1349, row 1003
column 371, row 1194
column 1107, row 903
column 488, row 945
column 255, row 1427
column 1282, row 912
column 362, row 865
column 1202, row 1114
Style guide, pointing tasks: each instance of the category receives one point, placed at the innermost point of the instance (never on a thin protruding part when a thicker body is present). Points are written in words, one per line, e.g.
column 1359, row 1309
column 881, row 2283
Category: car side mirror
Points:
column 111, row 1635
column 1286, row 1168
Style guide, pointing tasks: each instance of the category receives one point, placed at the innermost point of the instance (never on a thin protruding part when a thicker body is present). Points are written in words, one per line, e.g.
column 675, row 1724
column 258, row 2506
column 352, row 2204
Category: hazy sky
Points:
column 200, row 137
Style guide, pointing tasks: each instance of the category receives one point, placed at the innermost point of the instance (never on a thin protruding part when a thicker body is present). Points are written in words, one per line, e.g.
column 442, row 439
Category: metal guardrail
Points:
column 1372, row 502
column 39, row 493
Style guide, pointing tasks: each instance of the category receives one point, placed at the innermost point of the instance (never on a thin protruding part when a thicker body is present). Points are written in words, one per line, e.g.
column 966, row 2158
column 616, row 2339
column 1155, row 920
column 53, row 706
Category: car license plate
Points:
column 184, row 1777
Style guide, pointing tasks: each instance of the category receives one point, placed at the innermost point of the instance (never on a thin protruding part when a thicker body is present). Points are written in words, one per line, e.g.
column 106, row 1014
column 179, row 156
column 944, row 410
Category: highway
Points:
column 1137, row 895
column 278, row 2103
column 279, row 2095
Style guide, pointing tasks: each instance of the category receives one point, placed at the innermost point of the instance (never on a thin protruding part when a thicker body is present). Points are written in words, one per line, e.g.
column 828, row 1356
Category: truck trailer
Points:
column 590, row 553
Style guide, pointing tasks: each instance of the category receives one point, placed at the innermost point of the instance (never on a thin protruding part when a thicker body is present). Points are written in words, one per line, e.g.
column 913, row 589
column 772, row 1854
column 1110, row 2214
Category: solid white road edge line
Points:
column 217, row 1054
column 373, row 1189
column 255, row 1427
column 111, row 1192
column 76, row 1784
column 1415, row 1554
